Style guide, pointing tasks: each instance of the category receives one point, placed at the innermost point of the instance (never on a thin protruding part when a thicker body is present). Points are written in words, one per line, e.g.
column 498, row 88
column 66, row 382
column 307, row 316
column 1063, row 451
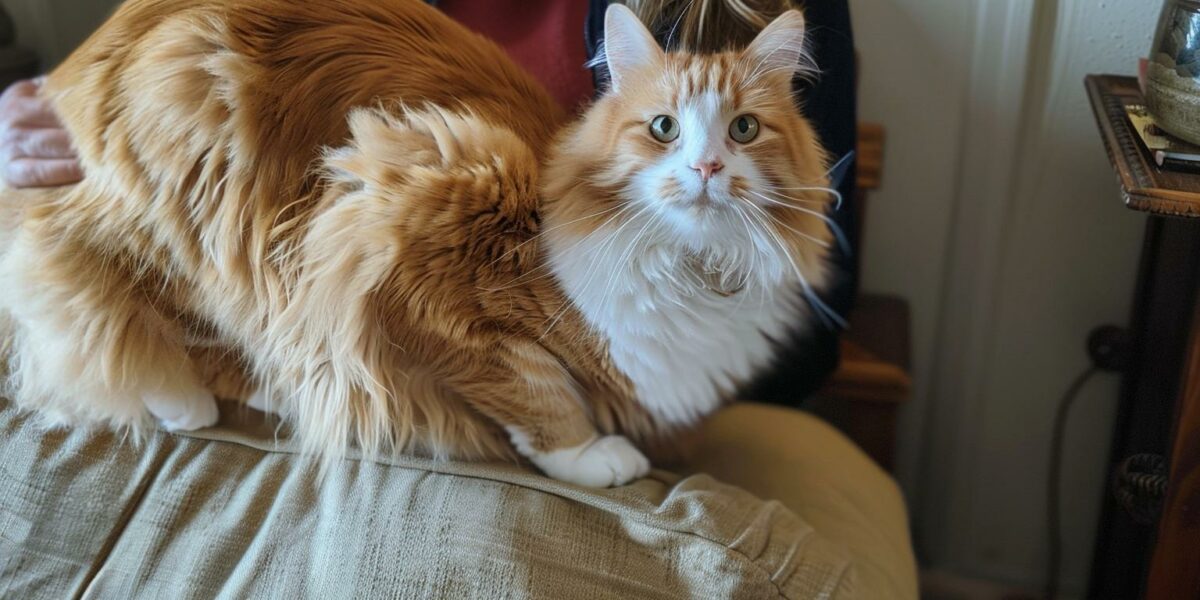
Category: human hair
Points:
column 707, row 25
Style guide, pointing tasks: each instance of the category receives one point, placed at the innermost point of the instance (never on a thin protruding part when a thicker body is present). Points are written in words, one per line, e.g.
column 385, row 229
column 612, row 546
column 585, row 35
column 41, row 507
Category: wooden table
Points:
column 1159, row 407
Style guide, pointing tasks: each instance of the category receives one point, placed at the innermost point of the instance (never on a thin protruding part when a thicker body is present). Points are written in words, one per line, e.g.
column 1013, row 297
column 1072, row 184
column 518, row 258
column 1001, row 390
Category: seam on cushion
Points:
column 122, row 525
column 761, row 569
column 841, row 577
column 803, row 543
column 809, row 538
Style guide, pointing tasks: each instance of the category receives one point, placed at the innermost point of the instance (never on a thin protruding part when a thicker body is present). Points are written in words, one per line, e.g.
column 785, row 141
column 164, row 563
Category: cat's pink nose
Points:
column 707, row 168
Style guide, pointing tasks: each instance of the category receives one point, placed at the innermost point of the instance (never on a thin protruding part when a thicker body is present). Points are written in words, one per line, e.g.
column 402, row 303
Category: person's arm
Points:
column 35, row 150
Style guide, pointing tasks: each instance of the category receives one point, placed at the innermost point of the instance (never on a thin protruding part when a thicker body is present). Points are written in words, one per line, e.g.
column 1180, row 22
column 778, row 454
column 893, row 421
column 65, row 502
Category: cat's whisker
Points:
column 608, row 241
column 754, row 257
column 590, row 274
column 843, row 242
column 544, row 232
column 520, row 279
column 847, row 157
column 749, row 237
column 627, row 255
column 818, row 241
column 817, row 203
column 610, row 287
column 832, row 191
column 821, row 308
column 761, row 221
column 674, row 299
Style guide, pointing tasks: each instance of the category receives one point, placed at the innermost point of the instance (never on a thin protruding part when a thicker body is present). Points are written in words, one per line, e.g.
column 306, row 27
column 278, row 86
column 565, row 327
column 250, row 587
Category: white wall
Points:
column 999, row 220
column 914, row 61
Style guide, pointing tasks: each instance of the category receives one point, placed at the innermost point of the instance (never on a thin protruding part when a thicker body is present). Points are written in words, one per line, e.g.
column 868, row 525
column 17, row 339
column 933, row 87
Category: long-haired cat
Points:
column 345, row 200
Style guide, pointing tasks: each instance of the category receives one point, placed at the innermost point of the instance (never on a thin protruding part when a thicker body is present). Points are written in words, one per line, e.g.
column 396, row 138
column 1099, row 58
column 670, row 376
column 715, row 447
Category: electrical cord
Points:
column 1053, row 499
column 1110, row 349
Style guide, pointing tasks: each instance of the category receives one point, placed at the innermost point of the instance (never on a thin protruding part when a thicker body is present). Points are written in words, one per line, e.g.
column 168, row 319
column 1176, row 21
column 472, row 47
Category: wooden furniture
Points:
column 864, row 395
column 1159, row 407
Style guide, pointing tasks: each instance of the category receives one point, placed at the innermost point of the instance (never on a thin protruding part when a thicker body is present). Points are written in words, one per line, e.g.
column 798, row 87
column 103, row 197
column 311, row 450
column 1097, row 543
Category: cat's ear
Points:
column 780, row 45
column 628, row 45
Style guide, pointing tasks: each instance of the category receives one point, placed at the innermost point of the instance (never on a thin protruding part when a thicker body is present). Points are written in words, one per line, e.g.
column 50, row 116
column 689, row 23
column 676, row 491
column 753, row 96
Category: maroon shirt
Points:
column 543, row 36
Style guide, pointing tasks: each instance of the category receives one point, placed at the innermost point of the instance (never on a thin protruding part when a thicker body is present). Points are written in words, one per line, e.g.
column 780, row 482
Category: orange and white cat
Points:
column 362, row 208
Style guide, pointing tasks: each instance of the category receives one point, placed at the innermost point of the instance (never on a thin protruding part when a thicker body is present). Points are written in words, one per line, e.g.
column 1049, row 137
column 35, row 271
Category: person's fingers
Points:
column 30, row 172
column 30, row 112
column 37, row 143
column 35, row 150
column 23, row 89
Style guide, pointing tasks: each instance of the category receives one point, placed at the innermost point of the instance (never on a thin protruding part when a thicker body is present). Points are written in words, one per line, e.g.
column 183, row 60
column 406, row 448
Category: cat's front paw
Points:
column 603, row 462
column 188, row 411
column 262, row 402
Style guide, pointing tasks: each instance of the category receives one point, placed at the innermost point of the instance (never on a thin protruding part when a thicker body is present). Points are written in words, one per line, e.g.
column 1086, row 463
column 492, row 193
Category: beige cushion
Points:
column 230, row 512
column 820, row 475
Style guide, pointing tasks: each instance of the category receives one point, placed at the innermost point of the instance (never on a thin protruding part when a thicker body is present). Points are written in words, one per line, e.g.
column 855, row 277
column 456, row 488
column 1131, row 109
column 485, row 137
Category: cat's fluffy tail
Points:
column 387, row 144
column 411, row 186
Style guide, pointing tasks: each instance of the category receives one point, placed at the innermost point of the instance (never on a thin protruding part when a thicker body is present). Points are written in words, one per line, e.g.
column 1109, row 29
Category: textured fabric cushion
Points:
column 822, row 476
column 231, row 512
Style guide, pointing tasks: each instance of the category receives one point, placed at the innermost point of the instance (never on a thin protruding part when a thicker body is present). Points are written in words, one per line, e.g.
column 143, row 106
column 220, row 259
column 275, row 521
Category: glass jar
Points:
column 1173, row 73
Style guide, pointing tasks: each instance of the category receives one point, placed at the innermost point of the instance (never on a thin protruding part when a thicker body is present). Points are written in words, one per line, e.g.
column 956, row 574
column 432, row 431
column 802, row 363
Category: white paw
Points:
column 262, row 402
column 603, row 462
column 183, row 411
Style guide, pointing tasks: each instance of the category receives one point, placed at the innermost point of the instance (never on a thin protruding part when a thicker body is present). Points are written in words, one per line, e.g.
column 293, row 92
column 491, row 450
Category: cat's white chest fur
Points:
column 684, row 347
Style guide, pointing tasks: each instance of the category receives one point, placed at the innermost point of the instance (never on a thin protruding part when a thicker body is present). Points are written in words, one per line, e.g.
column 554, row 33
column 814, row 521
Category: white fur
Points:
column 178, row 411
column 262, row 401
column 683, row 343
column 781, row 45
column 599, row 462
column 627, row 44
column 76, row 379
column 683, row 346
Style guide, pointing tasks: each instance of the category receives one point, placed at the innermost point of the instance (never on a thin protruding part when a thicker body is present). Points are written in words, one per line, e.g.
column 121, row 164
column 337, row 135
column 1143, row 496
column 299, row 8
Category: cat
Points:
column 393, row 236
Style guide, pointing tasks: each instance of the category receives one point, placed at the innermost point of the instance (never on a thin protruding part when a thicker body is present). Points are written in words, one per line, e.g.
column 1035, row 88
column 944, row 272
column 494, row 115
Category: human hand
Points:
column 35, row 150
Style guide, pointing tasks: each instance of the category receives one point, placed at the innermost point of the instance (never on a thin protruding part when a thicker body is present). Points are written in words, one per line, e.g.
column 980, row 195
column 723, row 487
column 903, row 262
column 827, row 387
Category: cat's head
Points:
column 707, row 156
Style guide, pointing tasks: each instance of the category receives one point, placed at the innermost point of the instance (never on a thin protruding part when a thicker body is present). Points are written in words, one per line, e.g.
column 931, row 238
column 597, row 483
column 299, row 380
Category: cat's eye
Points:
column 743, row 129
column 664, row 128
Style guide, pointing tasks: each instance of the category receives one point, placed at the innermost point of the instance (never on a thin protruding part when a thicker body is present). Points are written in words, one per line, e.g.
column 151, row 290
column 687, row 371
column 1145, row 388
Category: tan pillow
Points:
column 229, row 512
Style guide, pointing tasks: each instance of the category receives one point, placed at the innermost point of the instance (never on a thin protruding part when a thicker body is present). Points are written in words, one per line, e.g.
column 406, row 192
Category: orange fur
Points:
column 353, row 285
column 342, row 201
column 610, row 145
column 590, row 181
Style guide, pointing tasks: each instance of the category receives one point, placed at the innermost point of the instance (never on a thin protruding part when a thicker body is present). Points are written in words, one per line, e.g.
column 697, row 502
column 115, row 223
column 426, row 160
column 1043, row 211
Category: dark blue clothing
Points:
column 811, row 353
